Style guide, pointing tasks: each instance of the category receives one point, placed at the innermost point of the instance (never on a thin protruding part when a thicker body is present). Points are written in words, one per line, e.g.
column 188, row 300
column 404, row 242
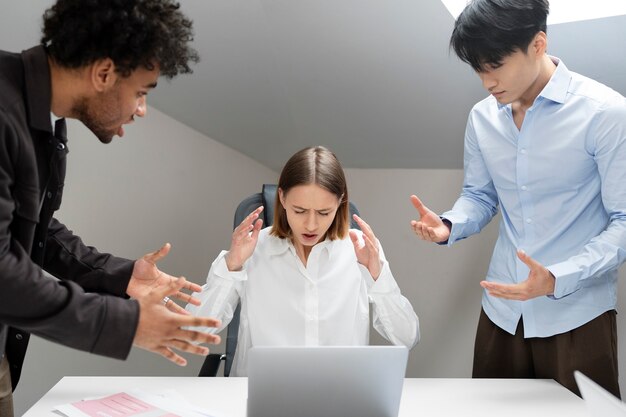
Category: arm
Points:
column 478, row 202
column 606, row 251
column 68, row 258
column 220, row 295
column 392, row 314
column 224, row 284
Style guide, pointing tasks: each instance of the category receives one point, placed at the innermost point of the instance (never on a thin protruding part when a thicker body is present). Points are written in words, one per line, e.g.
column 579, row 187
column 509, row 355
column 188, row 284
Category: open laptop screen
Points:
column 326, row 381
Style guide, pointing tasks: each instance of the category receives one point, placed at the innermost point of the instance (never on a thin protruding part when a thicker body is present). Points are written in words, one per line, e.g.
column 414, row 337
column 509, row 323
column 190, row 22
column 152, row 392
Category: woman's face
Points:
column 310, row 212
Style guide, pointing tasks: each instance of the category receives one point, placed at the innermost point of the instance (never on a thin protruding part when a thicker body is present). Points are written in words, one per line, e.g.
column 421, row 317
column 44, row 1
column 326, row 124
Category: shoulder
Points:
column 486, row 109
column 11, row 81
column 596, row 94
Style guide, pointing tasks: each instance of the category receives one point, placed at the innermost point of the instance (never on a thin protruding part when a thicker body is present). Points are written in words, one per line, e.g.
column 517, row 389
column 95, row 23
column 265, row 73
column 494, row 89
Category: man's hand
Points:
column 161, row 330
column 429, row 227
column 540, row 282
column 146, row 277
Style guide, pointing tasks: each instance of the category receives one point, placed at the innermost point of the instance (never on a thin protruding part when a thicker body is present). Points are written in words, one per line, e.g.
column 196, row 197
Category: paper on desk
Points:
column 133, row 403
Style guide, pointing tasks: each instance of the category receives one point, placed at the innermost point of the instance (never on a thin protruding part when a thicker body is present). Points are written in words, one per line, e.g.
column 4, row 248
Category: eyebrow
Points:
column 302, row 208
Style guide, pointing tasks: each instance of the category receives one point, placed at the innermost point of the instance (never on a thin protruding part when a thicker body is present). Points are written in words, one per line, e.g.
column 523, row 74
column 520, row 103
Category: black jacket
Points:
column 83, row 308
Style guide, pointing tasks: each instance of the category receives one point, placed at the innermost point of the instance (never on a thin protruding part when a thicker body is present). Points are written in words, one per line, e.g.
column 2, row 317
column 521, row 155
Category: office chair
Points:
column 266, row 198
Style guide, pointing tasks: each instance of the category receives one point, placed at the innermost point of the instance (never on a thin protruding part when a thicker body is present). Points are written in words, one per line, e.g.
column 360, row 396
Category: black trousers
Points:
column 590, row 349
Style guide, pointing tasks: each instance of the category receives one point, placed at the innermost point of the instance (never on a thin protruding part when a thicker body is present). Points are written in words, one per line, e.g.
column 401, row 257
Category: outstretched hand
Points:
column 147, row 277
column 429, row 227
column 161, row 330
column 367, row 253
column 245, row 237
column 540, row 282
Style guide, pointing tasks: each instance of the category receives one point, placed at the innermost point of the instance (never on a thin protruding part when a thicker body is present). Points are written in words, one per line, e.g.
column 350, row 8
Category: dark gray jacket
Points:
column 86, row 307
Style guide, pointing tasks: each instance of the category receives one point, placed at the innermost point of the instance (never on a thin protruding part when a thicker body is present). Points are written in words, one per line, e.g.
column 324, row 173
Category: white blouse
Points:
column 284, row 303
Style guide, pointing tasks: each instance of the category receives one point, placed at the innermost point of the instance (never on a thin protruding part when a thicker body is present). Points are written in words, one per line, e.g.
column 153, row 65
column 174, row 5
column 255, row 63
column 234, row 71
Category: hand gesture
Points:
column 367, row 253
column 429, row 227
column 161, row 330
column 146, row 277
column 540, row 282
column 244, row 240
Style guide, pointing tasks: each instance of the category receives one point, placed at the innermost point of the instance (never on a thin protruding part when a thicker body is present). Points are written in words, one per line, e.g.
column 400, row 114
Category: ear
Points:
column 102, row 74
column 539, row 44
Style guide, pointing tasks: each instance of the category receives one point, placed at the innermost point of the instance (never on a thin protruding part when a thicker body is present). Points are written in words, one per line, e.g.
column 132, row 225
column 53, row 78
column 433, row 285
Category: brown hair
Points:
column 314, row 165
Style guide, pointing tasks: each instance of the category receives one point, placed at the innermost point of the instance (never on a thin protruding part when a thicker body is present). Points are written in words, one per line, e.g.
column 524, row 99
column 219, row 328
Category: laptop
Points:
column 599, row 402
column 326, row 381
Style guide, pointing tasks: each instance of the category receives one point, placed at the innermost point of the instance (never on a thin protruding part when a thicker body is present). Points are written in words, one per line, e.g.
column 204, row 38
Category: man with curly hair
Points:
column 97, row 61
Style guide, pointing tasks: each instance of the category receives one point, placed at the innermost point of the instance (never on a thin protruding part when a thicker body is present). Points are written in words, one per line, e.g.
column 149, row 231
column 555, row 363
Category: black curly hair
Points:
column 130, row 32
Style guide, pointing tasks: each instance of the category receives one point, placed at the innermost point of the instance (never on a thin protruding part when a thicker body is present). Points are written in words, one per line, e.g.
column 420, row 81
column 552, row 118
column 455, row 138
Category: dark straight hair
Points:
column 487, row 31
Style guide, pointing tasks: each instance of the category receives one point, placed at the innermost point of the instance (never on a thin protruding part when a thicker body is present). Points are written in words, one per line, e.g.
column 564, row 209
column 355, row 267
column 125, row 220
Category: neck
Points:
column 65, row 87
column 302, row 251
column 546, row 69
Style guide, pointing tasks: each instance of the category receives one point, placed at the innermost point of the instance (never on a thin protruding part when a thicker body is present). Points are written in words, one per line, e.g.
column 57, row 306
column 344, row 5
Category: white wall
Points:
column 162, row 182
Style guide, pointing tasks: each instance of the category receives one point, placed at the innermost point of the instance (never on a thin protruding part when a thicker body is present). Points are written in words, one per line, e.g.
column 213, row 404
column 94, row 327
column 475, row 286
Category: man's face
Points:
column 513, row 78
column 106, row 112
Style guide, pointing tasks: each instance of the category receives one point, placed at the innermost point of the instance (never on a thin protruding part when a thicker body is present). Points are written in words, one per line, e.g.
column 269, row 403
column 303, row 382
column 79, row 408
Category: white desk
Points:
column 421, row 396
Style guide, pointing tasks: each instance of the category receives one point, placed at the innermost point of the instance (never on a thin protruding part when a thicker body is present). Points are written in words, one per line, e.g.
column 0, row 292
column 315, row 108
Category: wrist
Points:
column 232, row 266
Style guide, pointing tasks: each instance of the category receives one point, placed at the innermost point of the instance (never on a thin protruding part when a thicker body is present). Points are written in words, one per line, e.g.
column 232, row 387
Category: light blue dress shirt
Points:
column 560, row 181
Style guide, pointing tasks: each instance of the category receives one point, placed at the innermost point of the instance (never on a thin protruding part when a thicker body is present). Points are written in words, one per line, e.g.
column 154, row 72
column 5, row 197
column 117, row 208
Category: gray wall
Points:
column 441, row 282
column 166, row 182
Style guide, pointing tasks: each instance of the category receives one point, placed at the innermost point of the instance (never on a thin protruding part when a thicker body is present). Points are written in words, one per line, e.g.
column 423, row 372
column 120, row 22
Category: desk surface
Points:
column 421, row 396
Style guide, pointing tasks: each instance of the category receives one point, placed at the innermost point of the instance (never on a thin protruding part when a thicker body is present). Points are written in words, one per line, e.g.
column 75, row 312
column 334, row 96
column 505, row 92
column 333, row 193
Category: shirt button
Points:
column 19, row 336
column 523, row 151
column 524, row 188
column 40, row 244
column 529, row 221
column 49, row 194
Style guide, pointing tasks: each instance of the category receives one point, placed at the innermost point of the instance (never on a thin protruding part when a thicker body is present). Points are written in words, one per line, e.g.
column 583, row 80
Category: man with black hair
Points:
column 97, row 61
column 549, row 147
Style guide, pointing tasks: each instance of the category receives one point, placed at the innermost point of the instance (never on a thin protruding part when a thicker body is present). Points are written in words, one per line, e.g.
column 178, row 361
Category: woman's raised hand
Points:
column 244, row 240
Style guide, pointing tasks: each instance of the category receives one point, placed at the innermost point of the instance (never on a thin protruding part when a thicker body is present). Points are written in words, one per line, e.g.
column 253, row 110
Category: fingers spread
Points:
column 185, row 346
column 192, row 286
column 173, row 287
column 200, row 322
column 175, row 308
column 169, row 355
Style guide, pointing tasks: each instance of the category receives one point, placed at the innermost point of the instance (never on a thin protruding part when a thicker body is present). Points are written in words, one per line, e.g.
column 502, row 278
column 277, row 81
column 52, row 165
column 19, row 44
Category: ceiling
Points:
column 373, row 80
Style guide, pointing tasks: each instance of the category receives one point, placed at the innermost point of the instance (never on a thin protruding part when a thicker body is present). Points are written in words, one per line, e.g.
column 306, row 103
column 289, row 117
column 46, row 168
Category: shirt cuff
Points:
column 385, row 282
column 221, row 269
column 457, row 228
column 567, row 278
